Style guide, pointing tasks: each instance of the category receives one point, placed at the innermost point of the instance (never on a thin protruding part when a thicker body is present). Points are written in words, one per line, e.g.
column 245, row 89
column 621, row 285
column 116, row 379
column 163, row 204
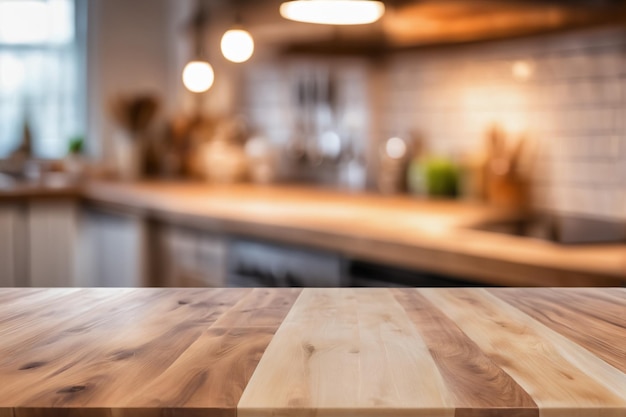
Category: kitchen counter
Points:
column 399, row 230
column 55, row 187
column 324, row 352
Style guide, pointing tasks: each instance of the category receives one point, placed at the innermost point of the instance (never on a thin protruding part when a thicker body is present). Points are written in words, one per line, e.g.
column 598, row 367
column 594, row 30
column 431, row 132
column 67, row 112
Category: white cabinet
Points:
column 57, row 242
column 114, row 250
column 13, row 245
column 123, row 249
column 52, row 237
column 38, row 242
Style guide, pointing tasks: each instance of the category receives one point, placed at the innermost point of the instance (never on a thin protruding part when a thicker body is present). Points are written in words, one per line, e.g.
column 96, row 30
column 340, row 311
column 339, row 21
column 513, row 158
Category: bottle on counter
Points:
column 393, row 161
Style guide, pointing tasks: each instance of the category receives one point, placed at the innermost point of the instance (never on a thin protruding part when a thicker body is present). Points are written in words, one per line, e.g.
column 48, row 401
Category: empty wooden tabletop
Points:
column 313, row 352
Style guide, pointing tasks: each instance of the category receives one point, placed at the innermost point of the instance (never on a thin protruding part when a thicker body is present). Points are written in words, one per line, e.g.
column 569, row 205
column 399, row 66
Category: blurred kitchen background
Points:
column 229, row 143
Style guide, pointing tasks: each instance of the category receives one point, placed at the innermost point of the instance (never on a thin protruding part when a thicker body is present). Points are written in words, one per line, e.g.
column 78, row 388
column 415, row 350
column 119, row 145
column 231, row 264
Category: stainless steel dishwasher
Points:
column 260, row 264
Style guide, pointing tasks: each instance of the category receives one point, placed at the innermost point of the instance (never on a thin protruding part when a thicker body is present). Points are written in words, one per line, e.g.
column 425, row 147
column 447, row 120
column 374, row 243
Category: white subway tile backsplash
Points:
column 573, row 103
column 612, row 91
column 607, row 203
column 603, row 147
column 621, row 172
column 621, row 206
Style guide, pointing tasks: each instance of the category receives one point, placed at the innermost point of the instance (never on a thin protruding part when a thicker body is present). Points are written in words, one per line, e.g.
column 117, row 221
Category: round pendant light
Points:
column 333, row 12
column 237, row 45
column 198, row 76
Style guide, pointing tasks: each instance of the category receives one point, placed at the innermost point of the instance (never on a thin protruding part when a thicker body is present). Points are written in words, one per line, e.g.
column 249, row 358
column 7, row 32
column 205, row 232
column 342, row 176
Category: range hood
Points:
column 419, row 23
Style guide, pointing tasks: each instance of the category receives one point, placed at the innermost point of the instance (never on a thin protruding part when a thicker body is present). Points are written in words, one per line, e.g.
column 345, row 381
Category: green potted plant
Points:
column 74, row 164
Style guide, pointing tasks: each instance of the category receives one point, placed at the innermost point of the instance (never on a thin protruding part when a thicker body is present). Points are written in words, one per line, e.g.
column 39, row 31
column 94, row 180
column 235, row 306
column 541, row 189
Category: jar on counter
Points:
column 223, row 158
column 261, row 156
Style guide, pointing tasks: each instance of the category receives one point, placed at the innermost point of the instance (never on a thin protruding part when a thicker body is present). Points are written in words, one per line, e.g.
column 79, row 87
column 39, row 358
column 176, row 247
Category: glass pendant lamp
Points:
column 198, row 75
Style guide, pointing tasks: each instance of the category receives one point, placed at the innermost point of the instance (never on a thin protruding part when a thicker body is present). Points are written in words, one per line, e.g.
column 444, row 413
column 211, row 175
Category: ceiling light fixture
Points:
column 198, row 75
column 333, row 12
column 237, row 45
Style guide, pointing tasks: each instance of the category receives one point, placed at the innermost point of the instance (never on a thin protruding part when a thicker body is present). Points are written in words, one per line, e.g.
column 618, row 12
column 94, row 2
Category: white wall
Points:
column 142, row 46
column 127, row 52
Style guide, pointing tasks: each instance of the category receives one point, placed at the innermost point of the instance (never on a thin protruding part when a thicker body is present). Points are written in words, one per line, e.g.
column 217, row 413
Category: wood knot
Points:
column 182, row 302
column 201, row 304
column 122, row 354
column 32, row 365
column 296, row 402
column 309, row 349
column 71, row 390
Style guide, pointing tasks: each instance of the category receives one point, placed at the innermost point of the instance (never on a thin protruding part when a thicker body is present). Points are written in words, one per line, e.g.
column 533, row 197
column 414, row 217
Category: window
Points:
column 40, row 76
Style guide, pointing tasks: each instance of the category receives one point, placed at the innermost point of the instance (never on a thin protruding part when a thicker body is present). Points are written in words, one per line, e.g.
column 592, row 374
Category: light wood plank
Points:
column 568, row 310
column 476, row 383
column 338, row 353
column 563, row 379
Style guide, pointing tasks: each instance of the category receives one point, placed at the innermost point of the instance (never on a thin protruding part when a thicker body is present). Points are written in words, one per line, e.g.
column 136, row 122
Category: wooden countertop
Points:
column 429, row 235
column 53, row 188
column 323, row 352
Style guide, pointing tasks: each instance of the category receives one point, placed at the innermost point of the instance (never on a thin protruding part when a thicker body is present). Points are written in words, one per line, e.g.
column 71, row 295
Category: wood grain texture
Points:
column 87, row 360
column 337, row 353
column 312, row 352
column 563, row 379
column 263, row 307
column 218, row 365
column 114, row 412
column 570, row 310
column 20, row 324
column 127, row 352
column 475, row 381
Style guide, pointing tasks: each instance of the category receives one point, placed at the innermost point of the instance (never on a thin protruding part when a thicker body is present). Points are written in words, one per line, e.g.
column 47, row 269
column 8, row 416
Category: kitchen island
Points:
column 323, row 352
